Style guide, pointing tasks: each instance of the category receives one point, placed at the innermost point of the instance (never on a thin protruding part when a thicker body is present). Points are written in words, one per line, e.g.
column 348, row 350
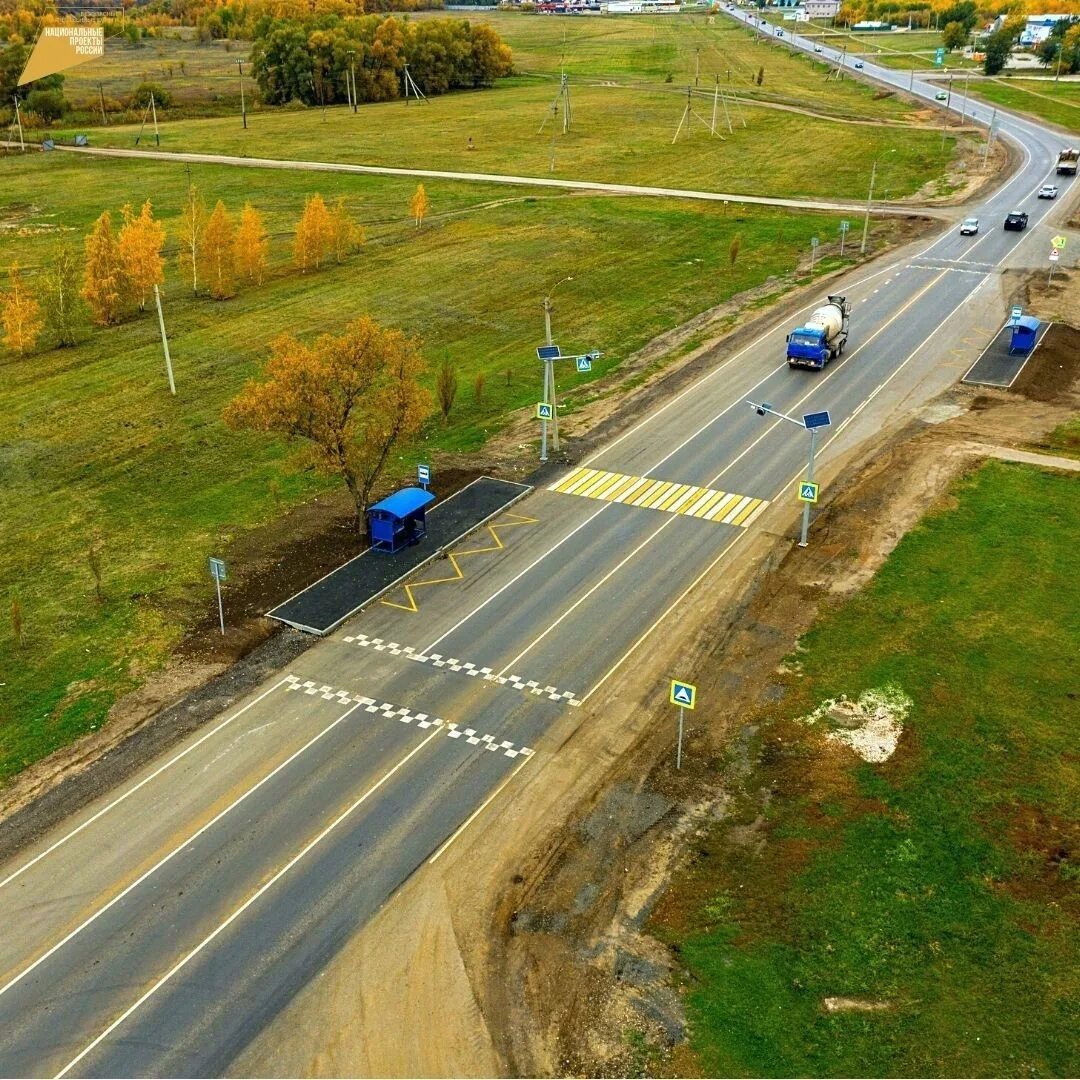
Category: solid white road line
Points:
column 183, row 962
column 174, row 852
column 479, row 810
column 142, row 783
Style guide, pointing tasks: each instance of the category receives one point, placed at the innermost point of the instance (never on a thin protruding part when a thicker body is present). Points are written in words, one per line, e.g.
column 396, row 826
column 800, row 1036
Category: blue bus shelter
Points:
column 398, row 520
column 1025, row 333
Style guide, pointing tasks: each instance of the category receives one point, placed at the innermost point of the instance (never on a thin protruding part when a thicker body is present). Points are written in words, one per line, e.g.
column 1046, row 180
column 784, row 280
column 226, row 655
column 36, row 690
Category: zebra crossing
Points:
column 666, row 495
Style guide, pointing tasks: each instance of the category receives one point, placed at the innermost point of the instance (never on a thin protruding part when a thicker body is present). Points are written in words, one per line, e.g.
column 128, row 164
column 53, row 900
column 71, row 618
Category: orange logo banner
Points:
column 62, row 47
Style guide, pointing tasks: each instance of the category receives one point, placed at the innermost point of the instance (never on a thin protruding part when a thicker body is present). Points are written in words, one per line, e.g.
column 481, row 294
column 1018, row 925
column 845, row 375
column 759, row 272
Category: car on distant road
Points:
column 969, row 226
column 941, row 95
column 1048, row 191
column 858, row 63
column 817, row 48
column 1016, row 221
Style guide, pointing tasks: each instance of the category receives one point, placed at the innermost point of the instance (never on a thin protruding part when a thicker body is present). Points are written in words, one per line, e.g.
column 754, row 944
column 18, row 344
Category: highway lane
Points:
column 562, row 603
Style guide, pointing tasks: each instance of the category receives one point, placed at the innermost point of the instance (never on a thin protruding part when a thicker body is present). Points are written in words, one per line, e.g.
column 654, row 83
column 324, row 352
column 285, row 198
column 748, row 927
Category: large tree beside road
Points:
column 350, row 399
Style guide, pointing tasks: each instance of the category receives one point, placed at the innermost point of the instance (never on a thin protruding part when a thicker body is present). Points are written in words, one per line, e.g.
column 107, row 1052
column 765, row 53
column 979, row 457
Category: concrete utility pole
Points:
column 869, row 200
column 243, row 105
column 945, row 121
column 963, row 105
column 164, row 341
column 989, row 137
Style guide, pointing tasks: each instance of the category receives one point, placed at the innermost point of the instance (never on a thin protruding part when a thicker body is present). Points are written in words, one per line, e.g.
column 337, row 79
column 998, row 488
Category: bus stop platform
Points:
column 997, row 365
column 328, row 602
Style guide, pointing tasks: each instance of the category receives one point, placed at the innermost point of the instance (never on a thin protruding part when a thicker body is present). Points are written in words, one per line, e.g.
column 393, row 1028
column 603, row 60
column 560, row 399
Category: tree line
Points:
column 217, row 254
column 312, row 60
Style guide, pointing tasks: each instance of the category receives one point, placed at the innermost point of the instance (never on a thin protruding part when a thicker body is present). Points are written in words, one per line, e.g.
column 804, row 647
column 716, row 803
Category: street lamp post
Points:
column 549, row 381
column 811, row 422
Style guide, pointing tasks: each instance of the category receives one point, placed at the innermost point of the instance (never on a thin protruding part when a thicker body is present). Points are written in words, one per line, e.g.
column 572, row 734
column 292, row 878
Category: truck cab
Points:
column 822, row 337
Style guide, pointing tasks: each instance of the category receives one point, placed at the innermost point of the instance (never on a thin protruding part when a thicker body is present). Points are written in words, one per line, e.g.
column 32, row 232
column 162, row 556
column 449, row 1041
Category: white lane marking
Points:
column 184, row 961
column 653, row 468
column 466, row 667
column 798, row 476
column 478, row 811
column 404, row 715
column 142, row 783
column 814, row 388
column 175, row 851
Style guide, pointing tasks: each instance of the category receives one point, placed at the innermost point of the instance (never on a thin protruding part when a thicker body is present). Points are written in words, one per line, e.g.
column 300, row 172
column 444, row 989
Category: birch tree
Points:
column 192, row 224
column 20, row 314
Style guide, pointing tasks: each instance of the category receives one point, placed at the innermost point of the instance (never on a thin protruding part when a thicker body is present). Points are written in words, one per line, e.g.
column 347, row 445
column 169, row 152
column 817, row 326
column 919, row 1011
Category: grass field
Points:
column 619, row 134
column 941, row 885
column 92, row 445
column 200, row 77
column 1057, row 103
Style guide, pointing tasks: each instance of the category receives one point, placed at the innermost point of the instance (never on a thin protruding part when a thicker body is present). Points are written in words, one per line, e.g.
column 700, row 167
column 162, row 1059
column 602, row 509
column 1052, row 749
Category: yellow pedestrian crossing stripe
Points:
column 674, row 498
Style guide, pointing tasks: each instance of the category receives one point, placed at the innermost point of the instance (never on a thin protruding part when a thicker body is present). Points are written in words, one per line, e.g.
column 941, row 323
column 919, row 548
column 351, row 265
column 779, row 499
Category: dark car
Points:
column 1016, row 221
column 858, row 63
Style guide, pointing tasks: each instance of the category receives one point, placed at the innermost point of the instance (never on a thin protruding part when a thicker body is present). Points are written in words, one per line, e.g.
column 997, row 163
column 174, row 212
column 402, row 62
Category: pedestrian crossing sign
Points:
column 683, row 693
column 808, row 492
column 543, row 410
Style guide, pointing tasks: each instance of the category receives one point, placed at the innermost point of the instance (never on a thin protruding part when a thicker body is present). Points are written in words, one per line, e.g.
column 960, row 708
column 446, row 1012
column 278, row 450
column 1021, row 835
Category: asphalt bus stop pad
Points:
column 328, row 602
column 997, row 366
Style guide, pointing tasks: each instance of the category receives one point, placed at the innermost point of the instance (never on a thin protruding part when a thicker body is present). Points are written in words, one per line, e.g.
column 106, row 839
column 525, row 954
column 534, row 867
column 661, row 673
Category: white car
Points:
column 1048, row 191
column 969, row 226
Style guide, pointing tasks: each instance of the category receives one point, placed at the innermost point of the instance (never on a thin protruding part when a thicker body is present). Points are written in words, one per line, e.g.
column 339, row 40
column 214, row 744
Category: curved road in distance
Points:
column 162, row 927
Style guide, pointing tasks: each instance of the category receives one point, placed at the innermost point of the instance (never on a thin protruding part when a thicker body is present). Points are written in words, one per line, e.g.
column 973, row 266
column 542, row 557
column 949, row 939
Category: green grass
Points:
column 1057, row 103
column 503, row 124
column 91, row 444
column 943, row 882
column 200, row 77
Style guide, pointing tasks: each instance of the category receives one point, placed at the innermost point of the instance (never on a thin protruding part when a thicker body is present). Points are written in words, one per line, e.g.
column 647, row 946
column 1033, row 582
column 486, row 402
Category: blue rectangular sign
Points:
column 816, row 419
column 548, row 352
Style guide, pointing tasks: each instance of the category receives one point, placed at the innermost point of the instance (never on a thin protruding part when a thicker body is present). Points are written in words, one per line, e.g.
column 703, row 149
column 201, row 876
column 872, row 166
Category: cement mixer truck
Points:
column 822, row 337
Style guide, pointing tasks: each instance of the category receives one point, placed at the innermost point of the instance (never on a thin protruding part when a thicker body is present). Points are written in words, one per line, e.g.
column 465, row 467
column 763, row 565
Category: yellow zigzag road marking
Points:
column 666, row 495
column 453, row 557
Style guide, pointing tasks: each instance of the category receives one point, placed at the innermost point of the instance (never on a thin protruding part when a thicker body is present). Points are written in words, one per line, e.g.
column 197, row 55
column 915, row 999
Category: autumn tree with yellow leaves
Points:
column 314, row 235
column 139, row 243
column 345, row 235
column 105, row 285
column 351, row 398
column 217, row 257
column 60, row 296
column 20, row 314
column 251, row 246
column 192, row 224
column 419, row 205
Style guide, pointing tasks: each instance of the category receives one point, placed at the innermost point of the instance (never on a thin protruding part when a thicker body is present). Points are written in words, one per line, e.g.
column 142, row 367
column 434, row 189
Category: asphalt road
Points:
column 159, row 930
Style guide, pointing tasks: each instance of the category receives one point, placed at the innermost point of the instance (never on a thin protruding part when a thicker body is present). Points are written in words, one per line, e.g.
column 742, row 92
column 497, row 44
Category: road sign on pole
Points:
column 939, row 57
column 808, row 492
column 423, row 475
column 1058, row 242
column 1054, row 255
column 217, row 572
column 684, row 695
column 584, row 363
column 1015, row 315
column 844, row 226
column 543, row 410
